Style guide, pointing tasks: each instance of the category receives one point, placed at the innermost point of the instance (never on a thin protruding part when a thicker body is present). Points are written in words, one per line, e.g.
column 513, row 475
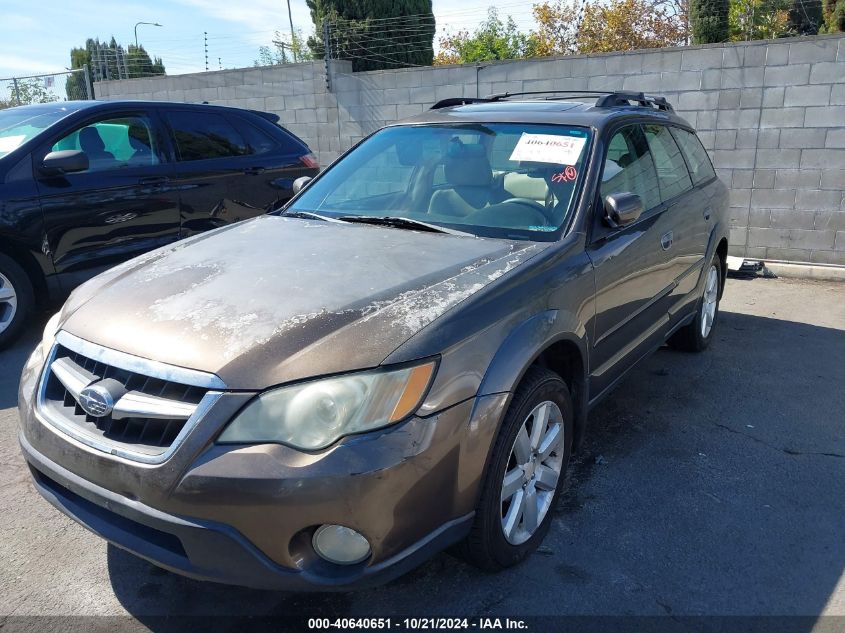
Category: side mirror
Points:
column 622, row 208
column 66, row 161
column 300, row 183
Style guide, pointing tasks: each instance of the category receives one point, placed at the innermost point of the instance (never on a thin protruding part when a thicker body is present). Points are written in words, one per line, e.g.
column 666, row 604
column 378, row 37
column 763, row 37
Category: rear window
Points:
column 672, row 174
column 257, row 141
column 205, row 135
column 699, row 163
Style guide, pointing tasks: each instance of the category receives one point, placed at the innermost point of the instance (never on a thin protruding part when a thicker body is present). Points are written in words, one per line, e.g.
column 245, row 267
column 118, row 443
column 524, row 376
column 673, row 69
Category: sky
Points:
column 36, row 36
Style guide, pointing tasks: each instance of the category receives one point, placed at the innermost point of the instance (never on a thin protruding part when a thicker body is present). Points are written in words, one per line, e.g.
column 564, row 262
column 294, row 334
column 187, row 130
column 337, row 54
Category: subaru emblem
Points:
column 96, row 401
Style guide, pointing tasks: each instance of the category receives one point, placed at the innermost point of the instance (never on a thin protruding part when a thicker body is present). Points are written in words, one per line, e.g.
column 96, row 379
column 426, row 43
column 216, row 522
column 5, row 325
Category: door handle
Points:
column 707, row 213
column 154, row 180
column 254, row 171
column 666, row 241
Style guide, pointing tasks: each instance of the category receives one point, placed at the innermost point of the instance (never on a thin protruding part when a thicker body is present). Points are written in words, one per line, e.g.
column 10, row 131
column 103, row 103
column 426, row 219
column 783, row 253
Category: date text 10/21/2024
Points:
column 417, row 623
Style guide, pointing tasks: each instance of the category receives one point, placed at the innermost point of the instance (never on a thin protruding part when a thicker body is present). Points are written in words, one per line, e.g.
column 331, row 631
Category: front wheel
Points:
column 16, row 300
column 526, row 473
column 696, row 336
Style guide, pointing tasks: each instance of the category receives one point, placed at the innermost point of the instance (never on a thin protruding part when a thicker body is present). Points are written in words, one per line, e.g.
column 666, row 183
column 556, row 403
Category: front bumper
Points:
column 206, row 550
column 244, row 514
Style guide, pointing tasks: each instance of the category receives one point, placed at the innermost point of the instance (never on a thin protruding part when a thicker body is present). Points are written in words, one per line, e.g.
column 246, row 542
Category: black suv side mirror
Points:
column 622, row 208
column 66, row 161
column 299, row 183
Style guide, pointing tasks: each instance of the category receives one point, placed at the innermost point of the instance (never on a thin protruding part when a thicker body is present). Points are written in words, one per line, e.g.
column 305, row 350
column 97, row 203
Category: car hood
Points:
column 277, row 299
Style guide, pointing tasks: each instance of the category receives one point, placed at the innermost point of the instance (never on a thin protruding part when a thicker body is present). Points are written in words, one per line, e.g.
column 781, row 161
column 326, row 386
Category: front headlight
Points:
column 316, row 414
column 49, row 335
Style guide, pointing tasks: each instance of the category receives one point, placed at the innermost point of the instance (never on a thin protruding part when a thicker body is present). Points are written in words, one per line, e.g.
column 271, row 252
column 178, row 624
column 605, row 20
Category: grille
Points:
column 140, row 420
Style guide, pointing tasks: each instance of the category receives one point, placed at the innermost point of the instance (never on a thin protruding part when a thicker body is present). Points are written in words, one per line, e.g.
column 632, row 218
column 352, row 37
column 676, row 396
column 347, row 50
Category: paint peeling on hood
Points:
column 276, row 299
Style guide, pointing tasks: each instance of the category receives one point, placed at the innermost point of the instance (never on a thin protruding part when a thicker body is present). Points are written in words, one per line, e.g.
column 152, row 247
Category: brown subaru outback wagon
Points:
column 400, row 360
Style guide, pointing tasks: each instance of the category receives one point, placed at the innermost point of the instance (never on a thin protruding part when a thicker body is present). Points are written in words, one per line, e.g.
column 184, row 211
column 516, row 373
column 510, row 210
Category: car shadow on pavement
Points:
column 706, row 485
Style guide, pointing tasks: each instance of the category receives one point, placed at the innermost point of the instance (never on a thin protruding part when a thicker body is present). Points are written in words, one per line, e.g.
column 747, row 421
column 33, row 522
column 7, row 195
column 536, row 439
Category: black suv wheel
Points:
column 16, row 299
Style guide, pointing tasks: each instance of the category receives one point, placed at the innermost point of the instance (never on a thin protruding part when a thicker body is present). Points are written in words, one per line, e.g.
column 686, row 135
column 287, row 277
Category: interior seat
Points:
column 92, row 144
column 470, row 180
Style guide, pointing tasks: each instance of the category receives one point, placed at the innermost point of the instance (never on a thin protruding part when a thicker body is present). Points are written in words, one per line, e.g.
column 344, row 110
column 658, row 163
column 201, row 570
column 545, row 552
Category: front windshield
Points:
column 18, row 125
column 511, row 180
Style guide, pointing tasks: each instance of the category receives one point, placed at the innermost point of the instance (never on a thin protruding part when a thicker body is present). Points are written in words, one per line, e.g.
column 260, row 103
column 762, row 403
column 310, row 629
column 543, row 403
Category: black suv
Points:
column 400, row 360
column 85, row 185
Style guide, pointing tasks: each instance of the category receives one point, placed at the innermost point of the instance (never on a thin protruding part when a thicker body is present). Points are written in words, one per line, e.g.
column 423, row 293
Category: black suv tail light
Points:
column 309, row 160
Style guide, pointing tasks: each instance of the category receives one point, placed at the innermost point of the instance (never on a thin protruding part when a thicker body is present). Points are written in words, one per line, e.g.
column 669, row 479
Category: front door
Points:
column 632, row 264
column 120, row 207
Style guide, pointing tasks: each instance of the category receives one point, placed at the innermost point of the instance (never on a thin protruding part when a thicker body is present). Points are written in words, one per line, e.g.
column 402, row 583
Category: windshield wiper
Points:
column 402, row 223
column 309, row 215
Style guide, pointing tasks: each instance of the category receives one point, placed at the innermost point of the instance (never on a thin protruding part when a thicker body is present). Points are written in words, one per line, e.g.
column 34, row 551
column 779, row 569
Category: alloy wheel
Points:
column 532, row 473
column 8, row 302
column 710, row 301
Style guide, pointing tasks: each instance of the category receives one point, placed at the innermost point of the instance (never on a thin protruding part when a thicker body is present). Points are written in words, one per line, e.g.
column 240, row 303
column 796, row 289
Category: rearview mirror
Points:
column 622, row 208
column 299, row 183
column 66, row 161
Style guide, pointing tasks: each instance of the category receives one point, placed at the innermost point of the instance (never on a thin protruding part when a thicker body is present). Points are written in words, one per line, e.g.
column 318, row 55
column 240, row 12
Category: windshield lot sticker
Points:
column 548, row 148
column 567, row 175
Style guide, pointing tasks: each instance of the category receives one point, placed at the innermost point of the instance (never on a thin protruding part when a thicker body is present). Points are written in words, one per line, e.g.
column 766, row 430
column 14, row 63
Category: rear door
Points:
column 120, row 207
column 632, row 267
column 685, row 208
column 274, row 160
column 207, row 152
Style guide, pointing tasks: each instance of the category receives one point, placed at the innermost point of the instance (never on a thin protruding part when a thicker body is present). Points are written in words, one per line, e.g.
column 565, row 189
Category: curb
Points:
column 795, row 270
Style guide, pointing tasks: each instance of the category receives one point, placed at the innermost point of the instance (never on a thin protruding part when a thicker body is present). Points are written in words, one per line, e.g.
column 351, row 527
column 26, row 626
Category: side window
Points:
column 114, row 143
column 257, row 141
column 672, row 171
column 699, row 163
column 204, row 135
column 629, row 167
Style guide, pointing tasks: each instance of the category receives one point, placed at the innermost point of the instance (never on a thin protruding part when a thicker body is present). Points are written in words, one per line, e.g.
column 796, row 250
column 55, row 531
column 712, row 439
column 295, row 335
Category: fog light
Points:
column 341, row 545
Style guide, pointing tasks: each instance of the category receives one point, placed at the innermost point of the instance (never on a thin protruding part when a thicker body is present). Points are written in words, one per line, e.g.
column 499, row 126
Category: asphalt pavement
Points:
column 709, row 484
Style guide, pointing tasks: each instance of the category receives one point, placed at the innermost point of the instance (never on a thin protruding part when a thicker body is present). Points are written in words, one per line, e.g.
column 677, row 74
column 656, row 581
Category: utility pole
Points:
column 17, row 94
column 205, row 44
column 292, row 35
column 328, row 53
column 88, row 86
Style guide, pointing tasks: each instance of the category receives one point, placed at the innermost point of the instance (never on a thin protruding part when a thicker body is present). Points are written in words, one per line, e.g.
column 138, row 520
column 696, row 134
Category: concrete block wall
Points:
column 771, row 114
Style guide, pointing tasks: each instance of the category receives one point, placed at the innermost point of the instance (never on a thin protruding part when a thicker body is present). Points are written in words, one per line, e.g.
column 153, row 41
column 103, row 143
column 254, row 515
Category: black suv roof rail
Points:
column 604, row 98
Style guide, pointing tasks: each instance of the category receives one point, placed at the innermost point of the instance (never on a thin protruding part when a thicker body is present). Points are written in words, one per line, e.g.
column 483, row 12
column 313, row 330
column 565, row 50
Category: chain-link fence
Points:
column 65, row 86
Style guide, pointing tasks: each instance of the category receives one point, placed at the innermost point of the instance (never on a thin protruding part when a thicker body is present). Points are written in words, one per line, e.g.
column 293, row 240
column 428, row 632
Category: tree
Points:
column 626, row 25
column 557, row 28
column 709, row 21
column 759, row 19
column 26, row 92
column 109, row 60
column 834, row 15
column 283, row 52
column 805, row 17
column 492, row 40
column 374, row 34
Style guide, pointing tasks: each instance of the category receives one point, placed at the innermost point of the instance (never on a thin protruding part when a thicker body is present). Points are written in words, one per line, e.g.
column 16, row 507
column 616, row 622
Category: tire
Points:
column 696, row 336
column 16, row 300
column 488, row 545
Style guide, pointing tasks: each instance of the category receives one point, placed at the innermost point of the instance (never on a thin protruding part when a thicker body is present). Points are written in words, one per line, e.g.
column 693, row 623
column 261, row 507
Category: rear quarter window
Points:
column 700, row 167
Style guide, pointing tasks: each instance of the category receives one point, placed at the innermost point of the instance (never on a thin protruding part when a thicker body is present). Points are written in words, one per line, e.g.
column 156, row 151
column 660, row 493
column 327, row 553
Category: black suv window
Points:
column 202, row 135
column 629, row 167
column 699, row 162
column 672, row 171
column 113, row 143
column 257, row 141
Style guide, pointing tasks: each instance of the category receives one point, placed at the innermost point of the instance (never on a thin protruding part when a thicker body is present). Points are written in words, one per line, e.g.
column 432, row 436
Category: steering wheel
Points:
column 528, row 202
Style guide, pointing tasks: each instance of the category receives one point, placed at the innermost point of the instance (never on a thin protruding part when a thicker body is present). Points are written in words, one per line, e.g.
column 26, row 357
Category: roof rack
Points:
column 623, row 98
column 456, row 101
column 604, row 98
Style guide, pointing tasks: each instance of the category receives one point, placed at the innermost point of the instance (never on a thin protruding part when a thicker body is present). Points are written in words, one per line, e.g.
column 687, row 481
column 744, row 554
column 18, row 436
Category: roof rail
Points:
column 604, row 98
column 570, row 94
column 456, row 101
